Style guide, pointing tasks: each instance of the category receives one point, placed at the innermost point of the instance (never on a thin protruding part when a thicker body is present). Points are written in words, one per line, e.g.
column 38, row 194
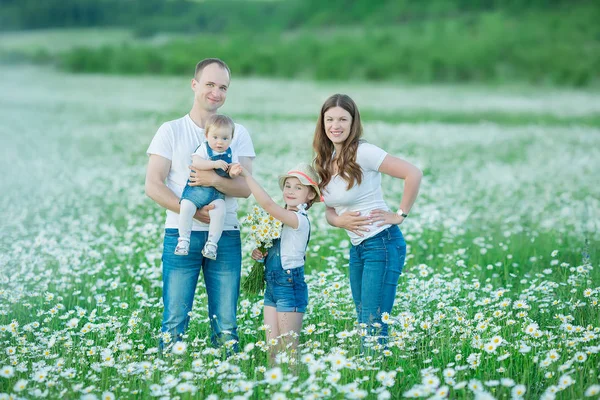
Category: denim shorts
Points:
column 201, row 195
column 286, row 290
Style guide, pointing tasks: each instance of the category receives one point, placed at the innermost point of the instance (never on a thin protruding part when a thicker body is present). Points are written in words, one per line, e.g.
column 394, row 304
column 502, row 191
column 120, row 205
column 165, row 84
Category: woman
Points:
column 350, row 171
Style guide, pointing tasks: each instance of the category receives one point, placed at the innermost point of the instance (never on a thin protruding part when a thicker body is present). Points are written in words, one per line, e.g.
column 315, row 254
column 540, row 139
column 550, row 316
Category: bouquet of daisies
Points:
column 263, row 230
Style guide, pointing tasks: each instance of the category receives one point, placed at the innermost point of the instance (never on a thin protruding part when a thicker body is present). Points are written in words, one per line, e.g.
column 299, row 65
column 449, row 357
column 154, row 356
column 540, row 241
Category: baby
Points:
column 216, row 154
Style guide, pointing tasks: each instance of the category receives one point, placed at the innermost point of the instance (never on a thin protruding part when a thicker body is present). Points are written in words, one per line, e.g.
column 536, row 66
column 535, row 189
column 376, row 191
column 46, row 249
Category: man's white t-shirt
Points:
column 176, row 141
column 293, row 242
column 365, row 197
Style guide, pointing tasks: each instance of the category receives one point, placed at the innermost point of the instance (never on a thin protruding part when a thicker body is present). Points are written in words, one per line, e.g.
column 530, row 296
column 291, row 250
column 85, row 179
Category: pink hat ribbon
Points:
column 305, row 176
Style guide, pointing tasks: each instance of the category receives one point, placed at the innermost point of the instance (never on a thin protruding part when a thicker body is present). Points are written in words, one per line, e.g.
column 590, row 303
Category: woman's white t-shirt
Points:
column 293, row 242
column 365, row 197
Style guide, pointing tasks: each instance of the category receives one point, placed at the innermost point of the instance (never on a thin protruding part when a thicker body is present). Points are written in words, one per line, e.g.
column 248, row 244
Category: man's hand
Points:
column 220, row 164
column 202, row 213
column 202, row 178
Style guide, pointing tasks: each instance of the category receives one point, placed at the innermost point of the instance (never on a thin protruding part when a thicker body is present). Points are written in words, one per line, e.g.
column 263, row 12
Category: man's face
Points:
column 210, row 87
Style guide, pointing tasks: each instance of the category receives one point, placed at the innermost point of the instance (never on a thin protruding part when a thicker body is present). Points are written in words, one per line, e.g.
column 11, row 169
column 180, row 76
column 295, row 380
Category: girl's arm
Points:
column 398, row 168
column 205, row 165
column 287, row 217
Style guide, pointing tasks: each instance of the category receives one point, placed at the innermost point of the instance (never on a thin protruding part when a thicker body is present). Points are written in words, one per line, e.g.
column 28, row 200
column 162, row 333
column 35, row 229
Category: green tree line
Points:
column 537, row 41
column 542, row 48
column 217, row 16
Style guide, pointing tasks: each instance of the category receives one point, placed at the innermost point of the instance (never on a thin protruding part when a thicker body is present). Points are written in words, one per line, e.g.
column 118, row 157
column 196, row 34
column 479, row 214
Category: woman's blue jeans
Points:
column 375, row 266
column 221, row 277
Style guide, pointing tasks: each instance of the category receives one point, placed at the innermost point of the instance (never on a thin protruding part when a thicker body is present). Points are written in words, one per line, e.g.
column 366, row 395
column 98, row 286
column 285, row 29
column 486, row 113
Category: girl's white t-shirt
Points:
column 293, row 242
column 364, row 197
column 176, row 141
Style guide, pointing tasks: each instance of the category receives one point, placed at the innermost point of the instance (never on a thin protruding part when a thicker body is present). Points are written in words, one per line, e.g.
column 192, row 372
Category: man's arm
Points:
column 156, row 175
column 234, row 187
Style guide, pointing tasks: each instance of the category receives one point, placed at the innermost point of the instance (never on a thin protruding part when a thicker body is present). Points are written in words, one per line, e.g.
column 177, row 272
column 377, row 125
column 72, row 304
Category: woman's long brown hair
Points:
column 347, row 167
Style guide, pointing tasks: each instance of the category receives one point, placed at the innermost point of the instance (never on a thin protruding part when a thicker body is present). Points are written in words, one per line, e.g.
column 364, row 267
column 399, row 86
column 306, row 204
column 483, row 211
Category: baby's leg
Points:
column 217, row 221
column 186, row 216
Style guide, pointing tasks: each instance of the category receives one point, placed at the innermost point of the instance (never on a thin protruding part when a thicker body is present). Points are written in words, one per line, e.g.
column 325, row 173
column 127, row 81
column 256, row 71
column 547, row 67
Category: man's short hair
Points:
column 207, row 61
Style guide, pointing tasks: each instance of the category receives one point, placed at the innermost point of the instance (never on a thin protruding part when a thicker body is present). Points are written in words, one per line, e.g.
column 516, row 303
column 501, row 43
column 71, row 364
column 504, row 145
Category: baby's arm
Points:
column 287, row 217
column 206, row 165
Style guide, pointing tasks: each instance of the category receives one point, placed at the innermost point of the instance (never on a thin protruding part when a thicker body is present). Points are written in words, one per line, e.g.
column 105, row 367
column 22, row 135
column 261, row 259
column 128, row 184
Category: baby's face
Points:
column 219, row 138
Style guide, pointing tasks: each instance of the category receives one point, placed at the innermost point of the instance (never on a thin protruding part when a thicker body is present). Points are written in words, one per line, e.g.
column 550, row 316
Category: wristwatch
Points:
column 401, row 213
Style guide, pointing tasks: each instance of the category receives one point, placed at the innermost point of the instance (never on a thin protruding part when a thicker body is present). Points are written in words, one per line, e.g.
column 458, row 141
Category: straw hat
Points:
column 306, row 175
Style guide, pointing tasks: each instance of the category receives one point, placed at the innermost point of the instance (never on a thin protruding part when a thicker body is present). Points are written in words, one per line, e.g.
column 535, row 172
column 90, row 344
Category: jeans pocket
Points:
column 395, row 264
column 392, row 274
column 233, row 233
column 285, row 280
column 298, row 280
column 171, row 232
column 231, row 241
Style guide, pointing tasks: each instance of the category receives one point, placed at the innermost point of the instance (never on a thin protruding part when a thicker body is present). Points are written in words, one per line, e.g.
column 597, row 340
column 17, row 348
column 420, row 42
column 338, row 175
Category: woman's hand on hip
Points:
column 386, row 217
column 354, row 222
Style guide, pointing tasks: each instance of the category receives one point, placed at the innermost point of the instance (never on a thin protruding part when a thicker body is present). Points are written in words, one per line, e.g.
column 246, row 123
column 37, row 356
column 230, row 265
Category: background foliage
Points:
column 541, row 42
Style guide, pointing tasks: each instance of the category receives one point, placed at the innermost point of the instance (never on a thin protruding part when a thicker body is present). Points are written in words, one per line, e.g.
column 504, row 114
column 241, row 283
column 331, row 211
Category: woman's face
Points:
column 338, row 123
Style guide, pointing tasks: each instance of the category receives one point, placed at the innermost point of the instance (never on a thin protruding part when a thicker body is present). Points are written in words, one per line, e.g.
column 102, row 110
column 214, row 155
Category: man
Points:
column 168, row 170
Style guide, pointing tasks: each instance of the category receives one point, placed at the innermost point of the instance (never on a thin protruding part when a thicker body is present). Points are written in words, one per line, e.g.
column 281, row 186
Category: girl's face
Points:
column 338, row 123
column 295, row 193
column 219, row 138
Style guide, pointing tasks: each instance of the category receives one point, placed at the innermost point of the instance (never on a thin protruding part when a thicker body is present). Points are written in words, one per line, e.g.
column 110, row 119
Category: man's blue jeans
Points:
column 222, row 279
column 375, row 266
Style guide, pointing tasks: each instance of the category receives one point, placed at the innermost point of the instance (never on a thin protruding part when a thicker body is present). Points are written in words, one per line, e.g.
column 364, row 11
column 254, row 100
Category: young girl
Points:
column 286, row 293
column 215, row 154
column 350, row 170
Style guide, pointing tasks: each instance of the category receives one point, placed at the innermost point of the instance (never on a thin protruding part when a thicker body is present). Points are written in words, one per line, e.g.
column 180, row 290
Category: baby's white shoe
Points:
column 210, row 250
column 183, row 247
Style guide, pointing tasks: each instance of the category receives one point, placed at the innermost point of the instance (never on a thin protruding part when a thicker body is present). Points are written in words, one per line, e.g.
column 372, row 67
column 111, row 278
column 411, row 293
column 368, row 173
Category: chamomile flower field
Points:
column 499, row 297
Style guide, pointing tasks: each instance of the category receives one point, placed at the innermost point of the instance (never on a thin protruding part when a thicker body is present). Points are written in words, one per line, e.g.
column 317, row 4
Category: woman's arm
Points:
column 350, row 220
column 287, row 217
column 401, row 169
